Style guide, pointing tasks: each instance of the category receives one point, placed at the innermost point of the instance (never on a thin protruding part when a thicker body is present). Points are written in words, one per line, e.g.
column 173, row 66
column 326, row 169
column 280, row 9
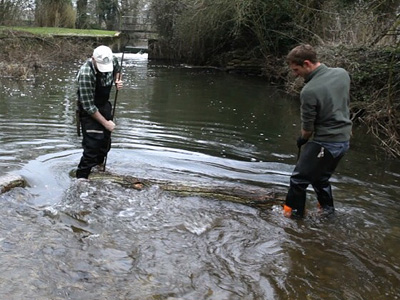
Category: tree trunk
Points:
column 81, row 15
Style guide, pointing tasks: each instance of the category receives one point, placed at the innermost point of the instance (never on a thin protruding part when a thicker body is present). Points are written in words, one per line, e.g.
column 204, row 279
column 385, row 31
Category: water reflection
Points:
column 97, row 240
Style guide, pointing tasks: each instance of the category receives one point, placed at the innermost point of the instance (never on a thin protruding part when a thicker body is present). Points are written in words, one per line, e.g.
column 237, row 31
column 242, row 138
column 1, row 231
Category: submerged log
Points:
column 11, row 181
column 239, row 193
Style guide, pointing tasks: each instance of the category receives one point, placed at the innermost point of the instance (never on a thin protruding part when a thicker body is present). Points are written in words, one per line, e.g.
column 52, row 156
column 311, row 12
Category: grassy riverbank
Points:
column 56, row 31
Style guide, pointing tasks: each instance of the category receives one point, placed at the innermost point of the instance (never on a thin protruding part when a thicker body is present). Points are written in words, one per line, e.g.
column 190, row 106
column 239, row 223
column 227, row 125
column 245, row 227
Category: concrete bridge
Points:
column 136, row 33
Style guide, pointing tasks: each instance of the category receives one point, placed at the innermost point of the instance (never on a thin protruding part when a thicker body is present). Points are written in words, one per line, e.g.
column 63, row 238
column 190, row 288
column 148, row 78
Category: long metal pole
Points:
column 113, row 111
column 116, row 92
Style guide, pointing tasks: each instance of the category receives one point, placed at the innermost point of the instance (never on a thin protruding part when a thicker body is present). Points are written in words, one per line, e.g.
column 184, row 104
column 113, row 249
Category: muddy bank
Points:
column 22, row 54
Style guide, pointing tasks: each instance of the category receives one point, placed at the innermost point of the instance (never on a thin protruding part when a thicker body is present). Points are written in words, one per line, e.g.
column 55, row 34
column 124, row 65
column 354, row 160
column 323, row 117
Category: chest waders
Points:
column 315, row 166
column 96, row 140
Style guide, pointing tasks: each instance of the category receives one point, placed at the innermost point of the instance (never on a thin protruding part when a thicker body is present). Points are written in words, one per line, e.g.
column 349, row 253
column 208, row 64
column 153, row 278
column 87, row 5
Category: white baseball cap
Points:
column 104, row 59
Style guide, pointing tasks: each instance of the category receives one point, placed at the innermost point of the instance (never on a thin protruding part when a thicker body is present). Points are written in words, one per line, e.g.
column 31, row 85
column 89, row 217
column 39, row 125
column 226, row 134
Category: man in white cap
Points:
column 95, row 79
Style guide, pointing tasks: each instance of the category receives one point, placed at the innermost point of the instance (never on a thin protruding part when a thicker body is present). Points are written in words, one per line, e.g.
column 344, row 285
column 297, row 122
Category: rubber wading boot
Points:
column 289, row 212
column 326, row 210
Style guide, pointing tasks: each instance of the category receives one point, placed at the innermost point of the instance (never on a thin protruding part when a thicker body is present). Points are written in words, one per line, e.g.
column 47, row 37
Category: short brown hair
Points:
column 301, row 53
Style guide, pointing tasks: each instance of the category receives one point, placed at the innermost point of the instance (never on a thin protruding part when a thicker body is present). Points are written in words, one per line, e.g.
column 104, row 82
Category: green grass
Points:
column 49, row 31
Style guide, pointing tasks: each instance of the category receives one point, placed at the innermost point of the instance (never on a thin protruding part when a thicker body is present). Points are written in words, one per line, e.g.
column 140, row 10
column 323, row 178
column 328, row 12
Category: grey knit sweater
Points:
column 325, row 104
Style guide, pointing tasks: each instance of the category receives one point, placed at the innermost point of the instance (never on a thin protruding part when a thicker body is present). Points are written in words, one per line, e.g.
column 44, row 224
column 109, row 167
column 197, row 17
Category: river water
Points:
column 63, row 239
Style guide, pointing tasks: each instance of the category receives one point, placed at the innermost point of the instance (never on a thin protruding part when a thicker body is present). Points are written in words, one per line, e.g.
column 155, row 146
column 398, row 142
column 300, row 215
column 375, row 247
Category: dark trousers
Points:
column 96, row 142
column 315, row 166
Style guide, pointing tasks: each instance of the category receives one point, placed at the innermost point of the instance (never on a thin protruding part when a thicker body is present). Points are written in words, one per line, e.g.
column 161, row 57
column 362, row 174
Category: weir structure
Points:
column 136, row 34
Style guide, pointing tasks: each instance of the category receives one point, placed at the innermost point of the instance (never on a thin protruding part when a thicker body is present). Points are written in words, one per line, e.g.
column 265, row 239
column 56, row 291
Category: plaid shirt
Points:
column 86, row 79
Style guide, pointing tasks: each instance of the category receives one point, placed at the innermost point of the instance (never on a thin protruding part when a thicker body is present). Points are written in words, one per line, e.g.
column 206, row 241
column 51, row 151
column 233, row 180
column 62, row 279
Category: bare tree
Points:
column 55, row 13
column 82, row 18
column 108, row 13
column 14, row 12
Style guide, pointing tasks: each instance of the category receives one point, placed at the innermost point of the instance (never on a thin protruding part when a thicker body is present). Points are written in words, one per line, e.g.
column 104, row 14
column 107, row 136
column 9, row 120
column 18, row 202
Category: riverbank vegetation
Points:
column 362, row 36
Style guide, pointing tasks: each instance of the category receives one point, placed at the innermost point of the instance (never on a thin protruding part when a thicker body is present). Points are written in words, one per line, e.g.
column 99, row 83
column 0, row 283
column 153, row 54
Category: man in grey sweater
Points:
column 325, row 117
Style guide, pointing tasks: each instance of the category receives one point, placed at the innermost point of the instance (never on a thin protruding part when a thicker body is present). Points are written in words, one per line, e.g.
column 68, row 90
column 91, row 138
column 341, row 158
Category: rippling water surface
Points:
column 63, row 239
